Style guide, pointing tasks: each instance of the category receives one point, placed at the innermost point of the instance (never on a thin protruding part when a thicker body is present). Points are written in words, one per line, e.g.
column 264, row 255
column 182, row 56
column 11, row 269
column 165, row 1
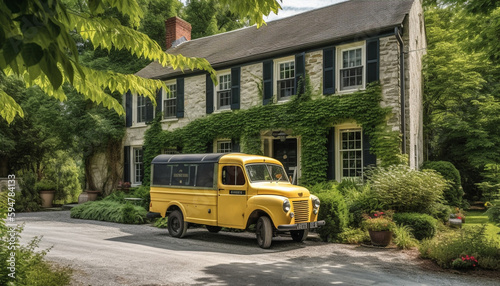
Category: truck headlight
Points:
column 286, row 205
column 315, row 202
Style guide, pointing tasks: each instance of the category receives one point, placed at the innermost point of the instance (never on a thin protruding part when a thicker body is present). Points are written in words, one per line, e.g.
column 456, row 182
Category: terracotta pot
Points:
column 380, row 238
column 47, row 198
column 92, row 195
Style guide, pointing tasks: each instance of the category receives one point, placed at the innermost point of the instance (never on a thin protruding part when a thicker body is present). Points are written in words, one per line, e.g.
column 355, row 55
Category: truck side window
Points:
column 232, row 175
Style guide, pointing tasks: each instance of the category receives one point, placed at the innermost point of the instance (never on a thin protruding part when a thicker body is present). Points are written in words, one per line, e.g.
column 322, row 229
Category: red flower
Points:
column 375, row 214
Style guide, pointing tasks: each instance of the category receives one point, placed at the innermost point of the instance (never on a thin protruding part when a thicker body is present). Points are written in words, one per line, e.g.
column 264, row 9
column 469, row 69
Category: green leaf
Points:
column 9, row 107
column 11, row 48
column 49, row 67
column 32, row 54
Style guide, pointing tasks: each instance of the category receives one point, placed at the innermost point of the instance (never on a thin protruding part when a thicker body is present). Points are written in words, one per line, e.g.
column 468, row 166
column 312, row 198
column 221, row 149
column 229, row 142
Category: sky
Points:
column 292, row 7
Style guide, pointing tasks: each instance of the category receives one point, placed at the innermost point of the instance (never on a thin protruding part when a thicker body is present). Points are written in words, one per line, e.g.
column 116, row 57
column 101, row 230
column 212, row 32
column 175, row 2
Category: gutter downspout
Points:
column 397, row 32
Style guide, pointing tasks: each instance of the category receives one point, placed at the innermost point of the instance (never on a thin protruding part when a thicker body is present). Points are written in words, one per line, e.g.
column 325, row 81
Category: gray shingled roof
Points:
column 315, row 28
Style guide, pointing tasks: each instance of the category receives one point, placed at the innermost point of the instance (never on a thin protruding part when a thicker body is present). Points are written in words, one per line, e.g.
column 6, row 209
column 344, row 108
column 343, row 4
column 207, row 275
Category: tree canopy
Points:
column 37, row 45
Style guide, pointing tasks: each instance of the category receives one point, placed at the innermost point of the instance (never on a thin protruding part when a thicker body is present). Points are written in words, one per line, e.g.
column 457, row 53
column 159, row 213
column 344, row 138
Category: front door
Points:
column 232, row 197
column 286, row 153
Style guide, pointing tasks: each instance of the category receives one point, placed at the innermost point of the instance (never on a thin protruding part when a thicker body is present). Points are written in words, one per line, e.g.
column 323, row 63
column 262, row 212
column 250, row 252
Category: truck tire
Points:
column 177, row 227
column 264, row 232
column 299, row 235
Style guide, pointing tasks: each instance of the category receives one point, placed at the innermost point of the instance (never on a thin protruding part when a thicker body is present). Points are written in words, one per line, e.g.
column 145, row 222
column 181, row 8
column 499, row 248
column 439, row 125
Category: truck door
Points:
column 232, row 198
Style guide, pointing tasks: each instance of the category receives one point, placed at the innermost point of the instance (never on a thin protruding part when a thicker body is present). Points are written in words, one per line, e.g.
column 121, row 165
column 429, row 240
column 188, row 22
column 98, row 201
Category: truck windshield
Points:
column 266, row 172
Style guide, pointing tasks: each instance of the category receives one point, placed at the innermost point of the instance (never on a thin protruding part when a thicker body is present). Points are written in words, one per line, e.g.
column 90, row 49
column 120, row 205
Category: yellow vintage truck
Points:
column 231, row 190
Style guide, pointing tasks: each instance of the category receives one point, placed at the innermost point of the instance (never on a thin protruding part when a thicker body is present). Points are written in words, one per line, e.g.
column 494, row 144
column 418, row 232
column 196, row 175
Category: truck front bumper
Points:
column 300, row 226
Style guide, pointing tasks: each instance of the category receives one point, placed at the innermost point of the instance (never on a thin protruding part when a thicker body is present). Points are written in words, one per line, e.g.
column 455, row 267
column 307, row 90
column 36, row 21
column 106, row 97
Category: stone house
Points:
column 340, row 49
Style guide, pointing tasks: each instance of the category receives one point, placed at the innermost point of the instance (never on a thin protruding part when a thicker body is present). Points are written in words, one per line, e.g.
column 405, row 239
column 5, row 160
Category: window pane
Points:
column 351, row 153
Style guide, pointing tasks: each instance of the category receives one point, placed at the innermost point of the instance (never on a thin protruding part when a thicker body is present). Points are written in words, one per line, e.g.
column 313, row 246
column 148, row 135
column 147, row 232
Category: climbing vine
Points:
column 309, row 119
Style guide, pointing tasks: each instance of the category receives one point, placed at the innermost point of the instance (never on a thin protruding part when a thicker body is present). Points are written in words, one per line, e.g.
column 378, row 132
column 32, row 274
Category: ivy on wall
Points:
column 309, row 119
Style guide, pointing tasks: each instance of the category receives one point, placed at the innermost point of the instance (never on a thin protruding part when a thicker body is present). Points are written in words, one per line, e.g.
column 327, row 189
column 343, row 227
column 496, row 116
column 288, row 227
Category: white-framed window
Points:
column 170, row 100
column 351, row 153
column 351, row 66
column 223, row 91
column 138, row 166
column 140, row 109
column 285, row 77
column 224, row 146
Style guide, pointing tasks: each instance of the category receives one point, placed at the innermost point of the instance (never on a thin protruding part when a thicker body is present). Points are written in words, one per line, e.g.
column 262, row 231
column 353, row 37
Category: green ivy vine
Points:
column 309, row 119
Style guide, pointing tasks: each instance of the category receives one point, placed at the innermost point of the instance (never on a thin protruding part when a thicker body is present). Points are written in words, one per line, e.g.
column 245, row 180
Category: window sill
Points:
column 170, row 119
column 228, row 109
column 138, row 125
column 348, row 91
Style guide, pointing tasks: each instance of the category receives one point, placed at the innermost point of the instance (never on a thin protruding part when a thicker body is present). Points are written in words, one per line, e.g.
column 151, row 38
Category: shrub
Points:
column 354, row 236
column 360, row 201
column 403, row 237
column 161, row 222
column 27, row 198
column 108, row 210
column 472, row 241
column 30, row 268
column 453, row 193
column 493, row 214
column 333, row 210
column 440, row 212
column 422, row 225
column 403, row 189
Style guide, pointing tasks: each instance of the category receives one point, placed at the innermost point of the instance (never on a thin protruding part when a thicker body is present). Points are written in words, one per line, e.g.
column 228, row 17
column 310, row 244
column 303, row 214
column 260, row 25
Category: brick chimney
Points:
column 176, row 28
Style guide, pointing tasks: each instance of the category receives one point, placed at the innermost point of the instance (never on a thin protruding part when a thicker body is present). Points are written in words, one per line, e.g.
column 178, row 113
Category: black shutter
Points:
column 235, row 88
column 331, row 154
column 126, row 164
column 329, row 71
column 149, row 110
column 180, row 98
column 159, row 101
column 210, row 147
column 235, row 145
column 372, row 60
column 368, row 158
column 210, row 94
column 267, row 77
column 128, row 109
column 300, row 73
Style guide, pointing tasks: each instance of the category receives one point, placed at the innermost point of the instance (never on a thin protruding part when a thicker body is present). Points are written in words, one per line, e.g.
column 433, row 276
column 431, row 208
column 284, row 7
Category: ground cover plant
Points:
column 114, row 208
column 30, row 266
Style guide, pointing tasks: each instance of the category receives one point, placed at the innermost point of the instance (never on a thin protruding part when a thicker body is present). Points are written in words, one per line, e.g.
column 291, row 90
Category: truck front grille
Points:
column 301, row 210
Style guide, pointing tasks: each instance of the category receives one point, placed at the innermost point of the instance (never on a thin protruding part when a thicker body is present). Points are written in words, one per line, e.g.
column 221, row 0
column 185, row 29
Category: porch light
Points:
column 281, row 135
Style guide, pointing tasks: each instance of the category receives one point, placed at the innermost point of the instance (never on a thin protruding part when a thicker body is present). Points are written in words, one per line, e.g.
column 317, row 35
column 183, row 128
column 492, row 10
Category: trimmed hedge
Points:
column 333, row 210
column 422, row 225
column 452, row 194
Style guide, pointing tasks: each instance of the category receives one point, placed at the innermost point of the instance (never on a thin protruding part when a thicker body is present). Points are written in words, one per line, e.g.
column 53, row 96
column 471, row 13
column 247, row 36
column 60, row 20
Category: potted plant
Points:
column 92, row 194
column 47, row 189
column 379, row 226
column 125, row 186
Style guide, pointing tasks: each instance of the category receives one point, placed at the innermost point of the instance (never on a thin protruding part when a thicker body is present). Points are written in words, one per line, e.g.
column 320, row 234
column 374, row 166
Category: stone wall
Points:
column 389, row 79
column 314, row 69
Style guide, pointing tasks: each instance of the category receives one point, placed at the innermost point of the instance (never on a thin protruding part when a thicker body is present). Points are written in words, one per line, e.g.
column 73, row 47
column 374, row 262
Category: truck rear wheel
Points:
column 299, row 235
column 264, row 232
column 177, row 227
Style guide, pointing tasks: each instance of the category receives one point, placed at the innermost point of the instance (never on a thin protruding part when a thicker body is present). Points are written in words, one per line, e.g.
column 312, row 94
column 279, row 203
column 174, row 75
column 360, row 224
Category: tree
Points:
column 37, row 45
column 208, row 17
column 462, row 91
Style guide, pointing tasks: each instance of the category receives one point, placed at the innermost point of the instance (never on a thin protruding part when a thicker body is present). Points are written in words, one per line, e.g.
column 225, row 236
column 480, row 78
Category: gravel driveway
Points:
column 104, row 253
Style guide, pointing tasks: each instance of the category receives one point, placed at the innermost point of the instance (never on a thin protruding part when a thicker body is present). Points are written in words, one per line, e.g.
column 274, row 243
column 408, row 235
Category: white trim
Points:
column 217, row 89
column 276, row 75
column 164, row 97
column 134, row 112
column 339, row 61
column 133, row 180
column 338, row 159
column 222, row 141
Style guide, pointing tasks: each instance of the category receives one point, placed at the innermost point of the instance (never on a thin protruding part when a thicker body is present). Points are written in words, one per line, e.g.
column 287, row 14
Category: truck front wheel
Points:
column 264, row 232
column 177, row 227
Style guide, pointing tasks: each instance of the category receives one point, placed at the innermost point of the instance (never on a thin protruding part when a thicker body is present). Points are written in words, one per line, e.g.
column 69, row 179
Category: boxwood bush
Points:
column 333, row 210
column 453, row 193
column 422, row 225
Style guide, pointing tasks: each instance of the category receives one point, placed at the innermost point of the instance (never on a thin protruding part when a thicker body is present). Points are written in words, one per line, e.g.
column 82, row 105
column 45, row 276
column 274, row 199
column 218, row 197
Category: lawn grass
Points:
column 476, row 218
